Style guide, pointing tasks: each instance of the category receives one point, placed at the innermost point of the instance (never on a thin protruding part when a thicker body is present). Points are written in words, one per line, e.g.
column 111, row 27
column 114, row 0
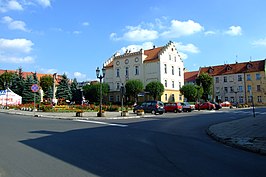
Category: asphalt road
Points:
column 169, row 145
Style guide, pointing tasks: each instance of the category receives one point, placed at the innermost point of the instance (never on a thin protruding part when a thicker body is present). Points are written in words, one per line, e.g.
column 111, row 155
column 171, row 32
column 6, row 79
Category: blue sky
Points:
column 76, row 36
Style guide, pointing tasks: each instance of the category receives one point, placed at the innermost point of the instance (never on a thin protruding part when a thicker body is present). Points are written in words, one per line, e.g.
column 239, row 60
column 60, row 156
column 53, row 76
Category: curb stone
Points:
column 233, row 142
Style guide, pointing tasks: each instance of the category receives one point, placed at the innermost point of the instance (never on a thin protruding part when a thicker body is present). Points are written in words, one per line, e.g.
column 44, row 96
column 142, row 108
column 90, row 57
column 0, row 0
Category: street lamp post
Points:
column 236, row 98
column 122, row 91
column 253, row 106
column 81, row 90
column 100, row 76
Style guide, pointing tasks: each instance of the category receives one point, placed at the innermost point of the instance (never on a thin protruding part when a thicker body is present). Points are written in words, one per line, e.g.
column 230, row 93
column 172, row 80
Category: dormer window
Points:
column 210, row 70
column 249, row 65
column 228, row 68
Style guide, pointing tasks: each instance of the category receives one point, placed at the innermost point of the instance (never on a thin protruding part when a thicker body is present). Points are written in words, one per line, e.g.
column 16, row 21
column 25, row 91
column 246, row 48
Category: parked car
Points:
column 173, row 107
column 153, row 107
column 217, row 105
column 206, row 105
column 226, row 104
column 186, row 107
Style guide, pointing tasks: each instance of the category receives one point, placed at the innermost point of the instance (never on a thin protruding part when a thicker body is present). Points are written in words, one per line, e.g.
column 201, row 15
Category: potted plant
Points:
column 124, row 113
column 79, row 113
column 140, row 112
column 101, row 114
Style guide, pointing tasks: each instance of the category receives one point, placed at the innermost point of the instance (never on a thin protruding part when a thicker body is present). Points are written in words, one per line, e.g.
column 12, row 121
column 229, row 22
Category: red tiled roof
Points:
column 39, row 75
column 190, row 76
column 252, row 66
column 110, row 65
column 152, row 54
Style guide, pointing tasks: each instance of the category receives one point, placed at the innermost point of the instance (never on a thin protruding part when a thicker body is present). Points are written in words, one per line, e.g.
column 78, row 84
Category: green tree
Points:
column 35, row 78
column 46, row 82
column 6, row 80
column 92, row 92
column 49, row 93
column 189, row 91
column 75, row 91
column 63, row 90
column 133, row 87
column 18, row 82
column 27, row 94
column 155, row 89
column 205, row 81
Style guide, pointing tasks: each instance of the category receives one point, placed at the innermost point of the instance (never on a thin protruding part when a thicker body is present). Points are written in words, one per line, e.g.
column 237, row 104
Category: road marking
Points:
column 102, row 123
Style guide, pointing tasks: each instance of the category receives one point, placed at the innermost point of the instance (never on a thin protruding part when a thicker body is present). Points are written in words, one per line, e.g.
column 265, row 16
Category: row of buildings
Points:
column 241, row 83
column 237, row 83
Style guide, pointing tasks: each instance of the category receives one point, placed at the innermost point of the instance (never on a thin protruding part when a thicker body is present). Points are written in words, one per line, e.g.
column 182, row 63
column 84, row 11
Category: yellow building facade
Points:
column 256, row 88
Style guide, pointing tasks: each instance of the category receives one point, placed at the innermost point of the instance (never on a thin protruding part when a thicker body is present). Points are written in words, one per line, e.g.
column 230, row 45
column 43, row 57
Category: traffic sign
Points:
column 35, row 88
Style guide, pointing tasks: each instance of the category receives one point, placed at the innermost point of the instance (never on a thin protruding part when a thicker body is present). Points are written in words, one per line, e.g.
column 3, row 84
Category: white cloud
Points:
column 44, row 3
column 14, row 50
column 15, row 59
column 136, row 33
column 152, row 31
column 79, row 75
column 10, row 5
column 45, row 70
column 185, row 28
column 234, row 31
column 14, row 5
column 210, row 33
column 85, row 24
column 14, row 24
column 76, row 32
column 16, row 45
column 183, row 55
column 260, row 42
column 187, row 48
column 135, row 48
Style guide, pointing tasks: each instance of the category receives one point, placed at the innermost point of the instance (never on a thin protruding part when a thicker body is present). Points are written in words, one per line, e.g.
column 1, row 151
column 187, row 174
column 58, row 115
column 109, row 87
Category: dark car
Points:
column 217, row 105
column 153, row 107
column 173, row 107
column 186, row 107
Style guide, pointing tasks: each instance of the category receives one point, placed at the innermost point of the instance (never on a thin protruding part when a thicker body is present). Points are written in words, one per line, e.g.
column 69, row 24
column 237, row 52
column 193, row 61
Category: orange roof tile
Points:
column 110, row 65
column 25, row 74
column 190, row 76
column 152, row 54
column 245, row 67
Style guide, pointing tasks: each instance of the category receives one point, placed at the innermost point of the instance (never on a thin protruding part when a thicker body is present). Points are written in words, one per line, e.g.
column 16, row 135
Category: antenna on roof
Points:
column 250, row 58
column 236, row 59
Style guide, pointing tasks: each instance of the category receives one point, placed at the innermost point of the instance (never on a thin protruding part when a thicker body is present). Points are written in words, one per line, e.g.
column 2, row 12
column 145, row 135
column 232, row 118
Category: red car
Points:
column 173, row 107
column 206, row 105
column 226, row 104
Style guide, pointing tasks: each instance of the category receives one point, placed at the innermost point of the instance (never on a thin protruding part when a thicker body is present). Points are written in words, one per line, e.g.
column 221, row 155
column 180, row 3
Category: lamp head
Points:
column 104, row 71
column 97, row 72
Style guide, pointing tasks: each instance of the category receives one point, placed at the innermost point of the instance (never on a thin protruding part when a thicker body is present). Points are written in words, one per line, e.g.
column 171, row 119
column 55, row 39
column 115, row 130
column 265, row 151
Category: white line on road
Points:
column 102, row 123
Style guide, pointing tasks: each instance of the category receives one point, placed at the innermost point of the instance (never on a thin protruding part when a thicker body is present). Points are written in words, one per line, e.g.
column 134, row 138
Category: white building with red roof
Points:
column 162, row 64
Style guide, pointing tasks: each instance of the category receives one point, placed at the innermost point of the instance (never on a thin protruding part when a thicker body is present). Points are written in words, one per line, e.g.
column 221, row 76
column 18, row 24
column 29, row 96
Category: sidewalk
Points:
column 247, row 133
column 71, row 115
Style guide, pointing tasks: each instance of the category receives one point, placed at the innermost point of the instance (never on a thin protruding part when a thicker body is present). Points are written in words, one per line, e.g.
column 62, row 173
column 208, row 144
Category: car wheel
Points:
column 153, row 111
column 175, row 111
column 189, row 110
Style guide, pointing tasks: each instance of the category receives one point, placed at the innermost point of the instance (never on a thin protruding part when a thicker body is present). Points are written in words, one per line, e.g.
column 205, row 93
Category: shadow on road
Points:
column 106, row 151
